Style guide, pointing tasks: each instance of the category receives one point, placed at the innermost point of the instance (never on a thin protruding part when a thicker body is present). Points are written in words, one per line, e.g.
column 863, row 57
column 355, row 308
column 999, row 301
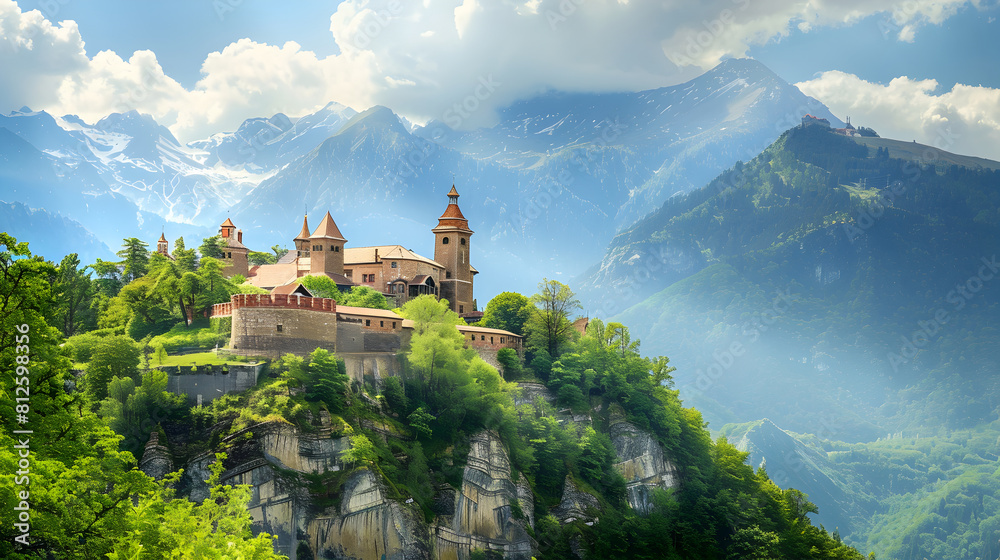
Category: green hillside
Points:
column 887, row 269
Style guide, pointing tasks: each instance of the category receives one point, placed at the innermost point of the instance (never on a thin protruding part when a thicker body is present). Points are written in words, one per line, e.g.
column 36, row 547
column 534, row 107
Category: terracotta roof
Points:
column 361, row 255
column 368, row 312
column 233, row 243
column 408, row 324
column 484, row 330
column 453, row 191
column 227, row 223
column 163, row 238
column 453, row 212
column 327, row 229
column 288, row 257
column 271, row 275
column 421, row 279
column 304, row 234
column 292, row 288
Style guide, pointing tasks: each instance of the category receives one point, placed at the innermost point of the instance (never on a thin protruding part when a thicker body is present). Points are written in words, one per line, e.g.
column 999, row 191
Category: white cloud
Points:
column 423, row 59
column 965, row 119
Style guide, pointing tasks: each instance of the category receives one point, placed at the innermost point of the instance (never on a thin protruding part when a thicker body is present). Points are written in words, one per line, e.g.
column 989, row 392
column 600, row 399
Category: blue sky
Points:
column 910, row 69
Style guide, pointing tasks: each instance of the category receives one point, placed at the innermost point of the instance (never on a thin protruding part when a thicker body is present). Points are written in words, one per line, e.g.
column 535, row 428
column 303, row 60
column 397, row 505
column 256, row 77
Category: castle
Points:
column 393, row 270
column 290, row 319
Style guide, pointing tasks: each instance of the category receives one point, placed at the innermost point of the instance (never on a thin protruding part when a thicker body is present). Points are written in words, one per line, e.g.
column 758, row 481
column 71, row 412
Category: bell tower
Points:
column 326, row 248
column 452, row 243
column 162, row 246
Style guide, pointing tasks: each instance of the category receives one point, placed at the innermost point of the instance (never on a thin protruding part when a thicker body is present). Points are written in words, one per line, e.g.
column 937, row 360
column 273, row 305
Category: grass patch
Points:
column 197, row 359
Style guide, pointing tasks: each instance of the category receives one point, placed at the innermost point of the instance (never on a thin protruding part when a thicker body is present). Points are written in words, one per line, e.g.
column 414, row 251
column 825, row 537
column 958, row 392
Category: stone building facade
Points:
column 235, row 255
column 393, row 270
column 272, row 325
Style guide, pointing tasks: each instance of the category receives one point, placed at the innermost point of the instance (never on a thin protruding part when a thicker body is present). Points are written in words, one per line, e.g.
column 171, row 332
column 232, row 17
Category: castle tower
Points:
column 162, row 246
column 326, row 248
column 235, row 255
column 452, row 243
column 302, row 239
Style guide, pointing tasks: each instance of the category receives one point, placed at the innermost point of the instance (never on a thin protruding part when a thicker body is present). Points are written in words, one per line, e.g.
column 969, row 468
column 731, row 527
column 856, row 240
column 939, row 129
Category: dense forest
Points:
column 857, row 282
column 83, row 346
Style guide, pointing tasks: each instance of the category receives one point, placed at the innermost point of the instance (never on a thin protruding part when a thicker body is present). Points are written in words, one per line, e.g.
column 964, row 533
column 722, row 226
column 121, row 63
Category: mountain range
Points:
column 550, row 164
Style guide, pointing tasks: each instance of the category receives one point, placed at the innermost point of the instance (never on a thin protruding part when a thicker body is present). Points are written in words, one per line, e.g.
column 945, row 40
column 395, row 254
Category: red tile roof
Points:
column 304, row 234
column 327, row 229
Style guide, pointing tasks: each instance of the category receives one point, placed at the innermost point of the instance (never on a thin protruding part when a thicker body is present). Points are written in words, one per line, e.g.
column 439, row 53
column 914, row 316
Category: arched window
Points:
column 462, row 241
column 444, row 241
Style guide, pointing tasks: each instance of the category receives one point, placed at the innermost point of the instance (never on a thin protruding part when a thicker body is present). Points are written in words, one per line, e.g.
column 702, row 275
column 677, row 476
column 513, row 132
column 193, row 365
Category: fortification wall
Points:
column 274, row 331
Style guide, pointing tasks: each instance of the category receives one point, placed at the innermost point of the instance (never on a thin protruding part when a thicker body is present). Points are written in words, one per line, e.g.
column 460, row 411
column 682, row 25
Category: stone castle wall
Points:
column 274, row 331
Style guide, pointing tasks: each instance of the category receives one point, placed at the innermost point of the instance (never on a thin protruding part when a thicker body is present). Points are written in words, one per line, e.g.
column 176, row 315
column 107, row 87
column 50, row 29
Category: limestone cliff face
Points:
column 576, row 505
column 368, row 526
column 483, row 516
column 642, row 462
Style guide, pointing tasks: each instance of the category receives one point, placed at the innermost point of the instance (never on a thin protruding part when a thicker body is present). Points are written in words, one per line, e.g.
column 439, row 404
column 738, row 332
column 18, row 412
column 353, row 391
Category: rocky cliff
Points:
column 642, row 462
column 360, row 520
column 483, row 516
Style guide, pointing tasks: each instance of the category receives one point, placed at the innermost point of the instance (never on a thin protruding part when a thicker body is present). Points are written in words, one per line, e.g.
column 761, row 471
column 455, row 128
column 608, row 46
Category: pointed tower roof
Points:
column 304, row 234
column 327, row 229
column 228, row 223
column 453, row 217
column 163, row 238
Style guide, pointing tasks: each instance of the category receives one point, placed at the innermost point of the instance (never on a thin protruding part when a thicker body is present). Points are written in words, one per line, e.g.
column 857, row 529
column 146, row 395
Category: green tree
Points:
column 326, row 380
column 362, row 451
column 549, row 326
column 115, row 356
column 170, row 527
column 322, row 286
column 74, row 294
column 186, row 259
column 135, row 258
column 81, row 484
column 109, row 278
column 420, row 421
column 134, row 411
column 213, row 247
column 510, row 362
column 507, row 311
column 258, row 258
column 363, row 296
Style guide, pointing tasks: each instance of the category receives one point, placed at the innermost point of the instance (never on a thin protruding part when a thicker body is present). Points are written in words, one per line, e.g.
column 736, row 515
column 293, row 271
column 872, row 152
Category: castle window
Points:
column 336, row 249
column 491, row 340
column 333, row 248
column 447, row 274
column 501, row 340
column 461, row 309
column 368, row 322
column 381, row 323
column 279, row 328
column 462, row 253
column 444, row 241
column 394, row 324
column 229, row 255
column 462, row 241
column 393, row 265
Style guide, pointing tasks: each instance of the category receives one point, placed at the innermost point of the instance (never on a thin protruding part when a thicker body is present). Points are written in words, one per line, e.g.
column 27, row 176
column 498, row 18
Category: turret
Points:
column 235, row 255
column 326, row 248
column 302, row 239
column 162, row 246
column 452, row 243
